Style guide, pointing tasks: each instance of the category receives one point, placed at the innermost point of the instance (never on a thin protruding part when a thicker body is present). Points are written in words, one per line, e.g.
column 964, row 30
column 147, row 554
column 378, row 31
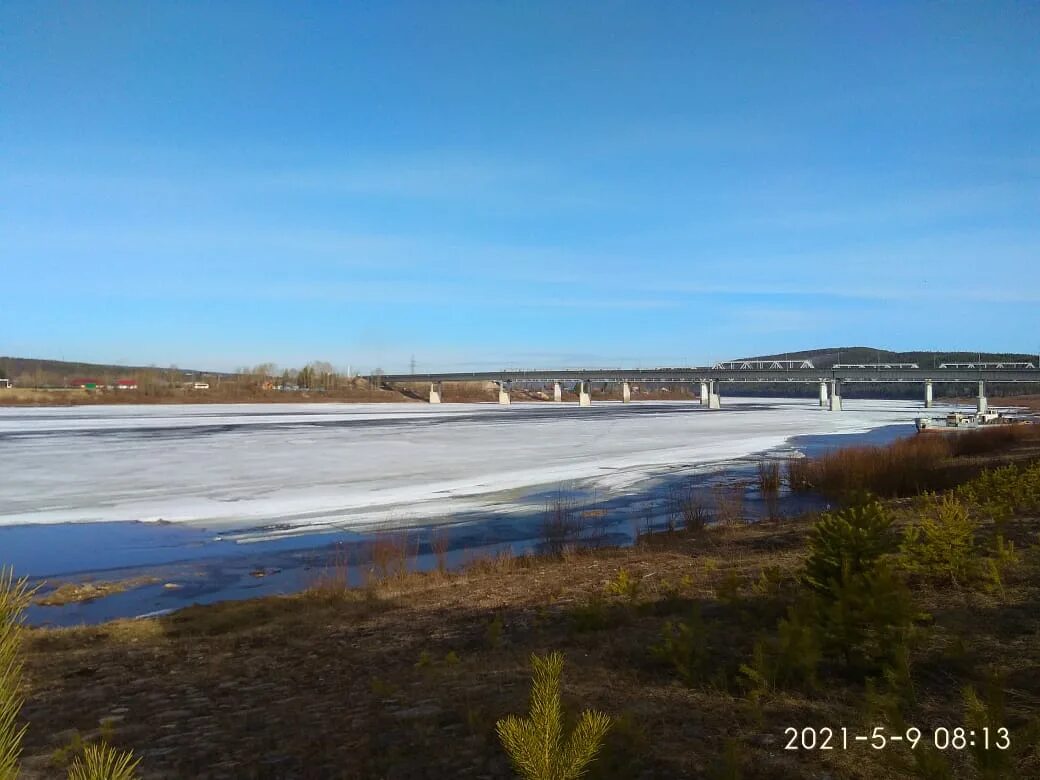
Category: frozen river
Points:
column 305, row 467
column 204, row 498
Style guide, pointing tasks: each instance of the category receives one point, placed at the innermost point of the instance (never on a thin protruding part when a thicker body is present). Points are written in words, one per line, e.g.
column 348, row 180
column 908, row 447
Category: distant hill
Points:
column 55, row 371
column 828, row 356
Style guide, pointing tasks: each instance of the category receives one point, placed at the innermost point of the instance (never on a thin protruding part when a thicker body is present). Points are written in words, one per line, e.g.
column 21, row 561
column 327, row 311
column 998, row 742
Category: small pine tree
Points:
column 684, row 647
column 99, row 761
column 15, row 596
column 867, row 617
column 848, row 543
column 791, row 658
column 536, row 743
column 942, row 547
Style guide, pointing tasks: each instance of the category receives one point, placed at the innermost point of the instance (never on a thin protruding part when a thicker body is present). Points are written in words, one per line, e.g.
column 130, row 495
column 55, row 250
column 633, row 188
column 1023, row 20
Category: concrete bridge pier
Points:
column 585, row 393
column 982, row 404
column 626, row 393
column 823, row 395
column 835, row 395
column 557, row 392
column 704, row 393
column 503, row 393
column 436, row 389
column 714, row 401
column 928, row 394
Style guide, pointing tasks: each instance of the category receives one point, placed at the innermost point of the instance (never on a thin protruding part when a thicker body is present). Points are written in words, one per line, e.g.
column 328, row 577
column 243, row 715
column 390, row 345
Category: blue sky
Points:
column 515, row 183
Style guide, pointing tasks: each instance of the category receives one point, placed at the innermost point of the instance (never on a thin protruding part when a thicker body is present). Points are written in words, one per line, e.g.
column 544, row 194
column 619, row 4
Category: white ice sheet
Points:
column 307, row 466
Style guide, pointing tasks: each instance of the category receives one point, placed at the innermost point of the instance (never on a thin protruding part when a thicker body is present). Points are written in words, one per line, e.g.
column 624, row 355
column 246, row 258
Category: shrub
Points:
column 728, row 590
column 440, row 543
column 998, row 437
column 769, row 476
column 690, row 510
column 536, row 743
column 848, row 543
column 559, row 528
column 800, row 474
column 770, row 582
column 625, row 586
column 493, row 632
column 942, row 547
column 684, row 647
column 729, row 503
column 591, row 616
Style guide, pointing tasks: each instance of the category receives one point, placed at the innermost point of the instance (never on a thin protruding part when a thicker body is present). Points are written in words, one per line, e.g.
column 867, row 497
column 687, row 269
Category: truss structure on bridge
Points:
column 762, row 365
column 1019, row 365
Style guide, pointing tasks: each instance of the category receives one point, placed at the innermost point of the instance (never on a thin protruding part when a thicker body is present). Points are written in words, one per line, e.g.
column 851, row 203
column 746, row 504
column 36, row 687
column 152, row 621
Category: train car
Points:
column 1016, row 365
column 876, row 365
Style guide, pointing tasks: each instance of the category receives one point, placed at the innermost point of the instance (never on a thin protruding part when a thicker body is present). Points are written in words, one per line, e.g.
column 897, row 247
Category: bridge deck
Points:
column 808, row 375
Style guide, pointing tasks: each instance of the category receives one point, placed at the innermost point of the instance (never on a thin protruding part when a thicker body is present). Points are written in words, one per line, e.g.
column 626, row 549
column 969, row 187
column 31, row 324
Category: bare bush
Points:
column 559, row 527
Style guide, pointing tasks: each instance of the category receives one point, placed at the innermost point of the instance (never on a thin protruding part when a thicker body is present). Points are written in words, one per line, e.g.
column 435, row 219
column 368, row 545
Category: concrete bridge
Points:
column 830, row 380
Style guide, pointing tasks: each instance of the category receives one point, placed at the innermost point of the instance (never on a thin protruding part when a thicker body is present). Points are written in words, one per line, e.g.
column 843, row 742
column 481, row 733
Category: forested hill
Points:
column 828, row 356
column 54, row 370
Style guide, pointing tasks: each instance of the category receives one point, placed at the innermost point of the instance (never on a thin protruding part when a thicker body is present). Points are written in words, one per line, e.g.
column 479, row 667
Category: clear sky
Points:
column 497, row 184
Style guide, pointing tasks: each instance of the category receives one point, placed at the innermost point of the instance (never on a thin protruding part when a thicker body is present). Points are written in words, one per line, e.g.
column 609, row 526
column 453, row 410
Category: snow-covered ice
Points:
column 304, row 467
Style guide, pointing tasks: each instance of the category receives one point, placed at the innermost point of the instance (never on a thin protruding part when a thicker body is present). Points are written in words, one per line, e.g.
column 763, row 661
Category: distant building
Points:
column 5, row 383
column 86, row 384
column 200, row 385
column 126, row 384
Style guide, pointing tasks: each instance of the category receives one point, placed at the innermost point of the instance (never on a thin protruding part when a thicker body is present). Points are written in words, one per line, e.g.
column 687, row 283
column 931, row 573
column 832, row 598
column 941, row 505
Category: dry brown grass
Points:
column 410, row 685
column 389, row 554
column 78, row 592
column 905, row 467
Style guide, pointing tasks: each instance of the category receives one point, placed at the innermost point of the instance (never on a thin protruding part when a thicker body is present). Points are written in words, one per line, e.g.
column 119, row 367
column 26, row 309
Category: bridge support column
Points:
column 823, row 395
column 626, row 393
column 436, row 389
column 835, row 395
column 704, row 393
column 503, row 393
column 928, row 394
column 982, row 404
column 714, row 401
column 557, row 392
column 585, row 393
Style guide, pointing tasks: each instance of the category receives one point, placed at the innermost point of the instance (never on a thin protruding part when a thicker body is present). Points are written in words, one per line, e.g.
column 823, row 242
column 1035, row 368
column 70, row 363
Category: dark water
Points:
column 194, row 566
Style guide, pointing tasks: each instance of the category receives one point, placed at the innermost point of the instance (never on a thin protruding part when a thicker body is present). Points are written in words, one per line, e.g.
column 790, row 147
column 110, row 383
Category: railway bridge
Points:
column 710, row 379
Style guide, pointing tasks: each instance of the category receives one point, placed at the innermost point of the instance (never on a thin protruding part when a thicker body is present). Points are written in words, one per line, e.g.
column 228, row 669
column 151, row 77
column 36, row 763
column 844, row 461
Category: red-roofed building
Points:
column 126, row 384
